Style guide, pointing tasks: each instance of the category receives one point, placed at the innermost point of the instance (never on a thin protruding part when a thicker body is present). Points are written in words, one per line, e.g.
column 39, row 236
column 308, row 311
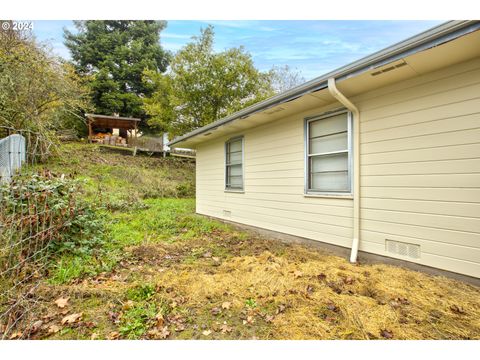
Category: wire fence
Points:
column 25, row 232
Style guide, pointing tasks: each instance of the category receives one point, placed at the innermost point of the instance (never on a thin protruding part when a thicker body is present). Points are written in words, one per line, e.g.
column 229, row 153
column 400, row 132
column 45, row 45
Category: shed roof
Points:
column 381, row 61
column 115, row 122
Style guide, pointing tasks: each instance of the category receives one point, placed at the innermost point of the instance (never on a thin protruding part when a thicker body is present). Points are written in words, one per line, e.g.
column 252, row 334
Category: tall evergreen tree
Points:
column 113, row 55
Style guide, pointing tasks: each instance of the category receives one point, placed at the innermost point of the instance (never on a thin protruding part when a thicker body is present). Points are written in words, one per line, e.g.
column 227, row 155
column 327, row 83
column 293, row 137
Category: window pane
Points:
column 323, row 163
column 236, row 181
column 330, row 125
column 329, row 143
column 235, row 145
column 234, row 158
column 235, row 170
column 331, row 181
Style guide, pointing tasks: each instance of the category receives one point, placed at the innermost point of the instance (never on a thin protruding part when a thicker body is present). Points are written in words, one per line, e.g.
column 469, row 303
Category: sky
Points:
column 311, row 47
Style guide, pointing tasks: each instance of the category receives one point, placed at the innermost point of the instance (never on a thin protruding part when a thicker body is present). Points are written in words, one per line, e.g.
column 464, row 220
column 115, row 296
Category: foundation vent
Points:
column 402, row 248
column 227, row 213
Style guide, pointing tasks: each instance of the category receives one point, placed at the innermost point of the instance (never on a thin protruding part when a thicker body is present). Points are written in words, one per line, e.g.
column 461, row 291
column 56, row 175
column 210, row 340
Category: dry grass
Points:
column 272, row 290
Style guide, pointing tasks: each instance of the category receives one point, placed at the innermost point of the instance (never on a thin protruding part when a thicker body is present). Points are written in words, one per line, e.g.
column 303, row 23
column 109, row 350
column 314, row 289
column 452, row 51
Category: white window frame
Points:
column 308, row 120
column 234, row 189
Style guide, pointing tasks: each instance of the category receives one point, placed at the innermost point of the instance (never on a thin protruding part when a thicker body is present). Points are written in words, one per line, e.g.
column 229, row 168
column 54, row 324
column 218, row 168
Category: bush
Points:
column 43, row 212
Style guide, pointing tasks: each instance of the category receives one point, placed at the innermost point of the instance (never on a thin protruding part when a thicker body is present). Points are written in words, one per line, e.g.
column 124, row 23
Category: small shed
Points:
column 100, row 128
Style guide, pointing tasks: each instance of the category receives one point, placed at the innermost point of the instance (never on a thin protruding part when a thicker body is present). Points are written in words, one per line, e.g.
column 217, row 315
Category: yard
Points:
column 166, row 273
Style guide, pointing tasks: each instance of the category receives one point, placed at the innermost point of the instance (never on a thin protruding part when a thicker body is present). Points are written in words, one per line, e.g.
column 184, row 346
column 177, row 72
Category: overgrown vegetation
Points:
column 42, row 210
column 39, row 93
column 170, row 274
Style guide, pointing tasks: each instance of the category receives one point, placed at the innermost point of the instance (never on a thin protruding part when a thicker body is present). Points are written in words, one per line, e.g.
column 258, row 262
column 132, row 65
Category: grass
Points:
column 170, row 274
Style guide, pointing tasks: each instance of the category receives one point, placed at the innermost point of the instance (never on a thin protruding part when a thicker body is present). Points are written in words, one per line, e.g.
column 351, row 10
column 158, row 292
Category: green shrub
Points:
column 42, row 212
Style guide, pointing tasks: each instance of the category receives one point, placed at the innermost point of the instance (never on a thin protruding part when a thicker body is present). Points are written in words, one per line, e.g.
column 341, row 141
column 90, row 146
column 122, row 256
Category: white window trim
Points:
column 227, row 189
column 307, row 191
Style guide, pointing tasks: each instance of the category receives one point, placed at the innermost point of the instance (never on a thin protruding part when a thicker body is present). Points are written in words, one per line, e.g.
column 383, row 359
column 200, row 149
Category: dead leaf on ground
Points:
column 36, row 326
column 163, row 333
column 53, row 329
column 457, row 309
column 114, row 317
column 62, row 302
column 70, row 319
column 226, row 305
column 160, row 320
column 128, row 305
column 216, row 310
column 269, row 318
column 333, row 307
column 321, row 276
column 15, row 335
column 206, row 332
column 180, row 327
column 114, row 335
column 387, row 334
column 225, row 328
column 297, row 274
column 250, row 320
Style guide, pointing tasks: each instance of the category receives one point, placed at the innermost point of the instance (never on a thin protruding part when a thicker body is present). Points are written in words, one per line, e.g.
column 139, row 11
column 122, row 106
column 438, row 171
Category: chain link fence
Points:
column 25, row 224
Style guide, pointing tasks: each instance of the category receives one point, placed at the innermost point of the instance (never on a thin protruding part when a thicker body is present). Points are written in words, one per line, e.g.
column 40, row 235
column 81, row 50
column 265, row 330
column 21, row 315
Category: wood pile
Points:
column 109, row 139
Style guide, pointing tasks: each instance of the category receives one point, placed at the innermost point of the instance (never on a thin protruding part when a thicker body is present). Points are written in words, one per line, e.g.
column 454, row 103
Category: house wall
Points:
column 420, row 173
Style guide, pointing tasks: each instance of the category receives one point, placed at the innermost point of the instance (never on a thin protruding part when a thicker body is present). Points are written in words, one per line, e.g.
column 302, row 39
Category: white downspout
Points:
column 356, row 165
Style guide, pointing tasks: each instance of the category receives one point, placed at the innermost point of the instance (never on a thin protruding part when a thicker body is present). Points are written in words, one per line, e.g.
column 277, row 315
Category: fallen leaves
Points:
column 71, row 319
column 162, row 333
column 216, row 311
column 114, row 335
column 114, row 317
column 36, row 326
column 297, row 274
column 62, row 302
column 225, row 328
column 249, row 320
column 206, row 332
column 387, row 334
column 332, row 307
column 226, row 305
column 457, row 309
column 160, row 320
column 53, row 329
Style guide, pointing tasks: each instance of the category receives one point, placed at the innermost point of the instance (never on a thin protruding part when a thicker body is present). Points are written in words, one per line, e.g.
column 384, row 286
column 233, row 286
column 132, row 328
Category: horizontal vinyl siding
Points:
column 420, row 168
column 274, row 186
column 420, row 173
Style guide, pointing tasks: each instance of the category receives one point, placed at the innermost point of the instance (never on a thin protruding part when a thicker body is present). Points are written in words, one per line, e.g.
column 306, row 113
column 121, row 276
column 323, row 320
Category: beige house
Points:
column 381, row 156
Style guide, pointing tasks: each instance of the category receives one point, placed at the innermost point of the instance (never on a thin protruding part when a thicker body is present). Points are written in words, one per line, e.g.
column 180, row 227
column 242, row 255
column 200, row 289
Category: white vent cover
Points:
column 402, row 248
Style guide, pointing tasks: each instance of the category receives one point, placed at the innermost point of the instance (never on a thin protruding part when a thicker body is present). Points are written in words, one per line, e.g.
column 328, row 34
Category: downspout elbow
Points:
column 332, row 88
